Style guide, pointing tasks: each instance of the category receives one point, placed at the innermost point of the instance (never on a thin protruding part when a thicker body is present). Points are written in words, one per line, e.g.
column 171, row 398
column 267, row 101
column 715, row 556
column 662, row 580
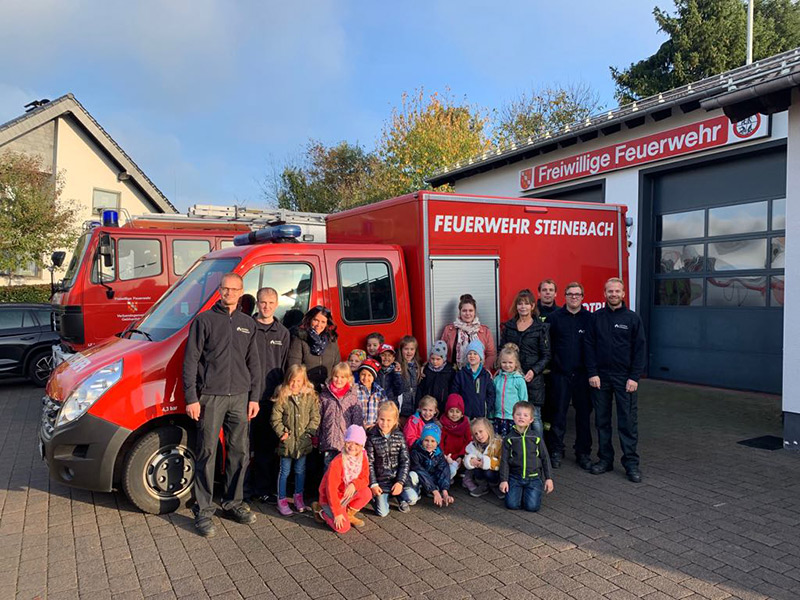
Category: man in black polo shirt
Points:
column 547, row 299
column 568, row 328
column 221, row 383
column 615, row 358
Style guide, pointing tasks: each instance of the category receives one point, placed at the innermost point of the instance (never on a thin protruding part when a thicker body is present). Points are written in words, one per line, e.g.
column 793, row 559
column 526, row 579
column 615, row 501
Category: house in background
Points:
column 98, row 174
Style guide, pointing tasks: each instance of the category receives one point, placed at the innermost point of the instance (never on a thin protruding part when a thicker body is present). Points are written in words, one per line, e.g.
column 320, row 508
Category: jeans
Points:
column 410, row 494
column 329, row 456
column 489, row 476
column 299, row 475
column 612, row 388
column 524, row 493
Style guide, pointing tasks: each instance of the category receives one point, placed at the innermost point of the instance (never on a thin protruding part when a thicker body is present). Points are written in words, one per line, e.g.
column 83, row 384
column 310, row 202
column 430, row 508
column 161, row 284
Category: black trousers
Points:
column 565, row 389
column 228, row 413
column 612, row 388
column 262, row 476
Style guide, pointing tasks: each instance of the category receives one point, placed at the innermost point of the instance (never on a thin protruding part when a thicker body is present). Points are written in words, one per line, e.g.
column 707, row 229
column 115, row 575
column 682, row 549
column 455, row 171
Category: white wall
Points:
column 791, row 307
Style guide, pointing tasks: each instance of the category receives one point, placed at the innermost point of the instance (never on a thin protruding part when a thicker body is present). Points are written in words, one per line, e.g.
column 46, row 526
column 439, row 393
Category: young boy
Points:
column 374, row 342
column 524, row 463
column 474, row 383
column 370, row 394
column 430, row 466
column 436, row 376
column 389, row 377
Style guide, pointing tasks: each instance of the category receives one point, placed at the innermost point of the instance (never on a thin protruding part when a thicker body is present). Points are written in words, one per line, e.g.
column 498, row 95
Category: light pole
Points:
column 749, row 31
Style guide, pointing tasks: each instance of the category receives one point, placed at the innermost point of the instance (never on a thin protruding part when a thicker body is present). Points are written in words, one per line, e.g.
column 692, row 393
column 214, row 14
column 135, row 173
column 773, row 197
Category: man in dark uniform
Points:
column 546, row 306
column 568, row 328
column 273, row 350
column 221, row 383
column 615, row 358
column 547, row 299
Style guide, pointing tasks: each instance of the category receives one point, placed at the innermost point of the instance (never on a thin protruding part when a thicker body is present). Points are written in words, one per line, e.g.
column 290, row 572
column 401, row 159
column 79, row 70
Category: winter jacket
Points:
column 336, row 415
column 413, row 428
column 369, row 401
column 509, row 388
column 332, row 488
column 436, row 384
column 391, row 381
column 455, row 434
column 615, row 344
column 388, row 458
column 534, row 353
column 431, row 468
column 410, row 384
column 221, row 357
column 319, row 367
column 273, row 350
column 524, row 455
column 478, row 392
column 489, row 456
column 568, row 333
column 299, row 415
column 450, row 335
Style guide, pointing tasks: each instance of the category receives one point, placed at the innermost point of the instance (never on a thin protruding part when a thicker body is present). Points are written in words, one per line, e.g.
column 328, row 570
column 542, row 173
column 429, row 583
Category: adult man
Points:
column 615, row 358
column 272, row 339
column 221, row 382
column 568, row 327
column 547, row 299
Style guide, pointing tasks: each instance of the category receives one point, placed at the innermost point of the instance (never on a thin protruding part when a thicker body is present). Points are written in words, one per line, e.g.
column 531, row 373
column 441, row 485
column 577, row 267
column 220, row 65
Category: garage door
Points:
column 717, row 273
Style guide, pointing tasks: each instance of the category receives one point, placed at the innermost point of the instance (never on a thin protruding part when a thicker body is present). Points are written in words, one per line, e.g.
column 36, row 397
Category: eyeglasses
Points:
column 227, row 289
column 574, row 295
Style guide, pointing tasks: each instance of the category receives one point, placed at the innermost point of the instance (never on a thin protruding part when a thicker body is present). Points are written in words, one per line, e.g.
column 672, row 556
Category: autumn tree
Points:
column 34, row 219
column 708, row 37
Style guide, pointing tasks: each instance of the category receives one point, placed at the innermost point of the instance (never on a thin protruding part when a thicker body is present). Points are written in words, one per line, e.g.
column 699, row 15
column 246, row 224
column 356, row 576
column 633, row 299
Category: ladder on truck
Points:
column 209, row 214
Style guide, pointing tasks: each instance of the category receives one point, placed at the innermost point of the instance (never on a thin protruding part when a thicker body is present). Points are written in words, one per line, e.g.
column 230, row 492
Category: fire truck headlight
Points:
column 88, row 392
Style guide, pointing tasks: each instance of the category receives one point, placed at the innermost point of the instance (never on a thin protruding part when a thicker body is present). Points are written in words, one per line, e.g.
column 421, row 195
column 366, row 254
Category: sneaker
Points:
column 403, row 506
column 480, row 490
column 205, row 527
column 299, row 505
column 284, row 508
column 500, row 495
column 241, row 514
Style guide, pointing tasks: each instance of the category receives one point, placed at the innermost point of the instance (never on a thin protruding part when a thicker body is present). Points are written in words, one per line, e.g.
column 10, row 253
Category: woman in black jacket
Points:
column 532, row 337
column 314, row 345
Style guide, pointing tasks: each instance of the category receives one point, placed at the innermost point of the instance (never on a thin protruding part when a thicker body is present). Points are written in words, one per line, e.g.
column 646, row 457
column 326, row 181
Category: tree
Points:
column 707, row 37
column 34, row 220
column 536, row 112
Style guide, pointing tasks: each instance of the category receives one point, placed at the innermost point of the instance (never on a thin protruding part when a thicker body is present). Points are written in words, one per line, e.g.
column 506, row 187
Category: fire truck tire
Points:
column 40, row 366
column 158, row 475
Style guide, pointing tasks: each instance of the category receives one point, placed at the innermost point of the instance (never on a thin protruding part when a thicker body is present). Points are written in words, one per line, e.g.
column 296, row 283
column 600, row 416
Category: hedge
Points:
column 25, row 293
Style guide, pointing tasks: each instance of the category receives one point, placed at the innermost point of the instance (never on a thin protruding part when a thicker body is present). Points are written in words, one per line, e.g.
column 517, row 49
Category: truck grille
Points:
column 50, row 410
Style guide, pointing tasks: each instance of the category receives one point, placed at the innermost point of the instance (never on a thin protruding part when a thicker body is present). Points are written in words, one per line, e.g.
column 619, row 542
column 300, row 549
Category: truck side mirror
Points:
column 106, row 250
column 57, row 258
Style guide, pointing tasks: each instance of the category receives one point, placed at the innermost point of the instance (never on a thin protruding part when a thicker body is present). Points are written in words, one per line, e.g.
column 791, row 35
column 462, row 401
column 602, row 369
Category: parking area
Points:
column 712, row 519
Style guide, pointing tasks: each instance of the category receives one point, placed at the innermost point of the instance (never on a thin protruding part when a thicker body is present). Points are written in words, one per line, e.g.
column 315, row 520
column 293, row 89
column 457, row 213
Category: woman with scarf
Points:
column 466, row 328
column 314, row 345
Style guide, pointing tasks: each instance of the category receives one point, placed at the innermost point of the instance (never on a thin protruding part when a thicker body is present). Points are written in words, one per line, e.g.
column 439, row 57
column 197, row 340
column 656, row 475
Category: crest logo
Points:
column 526, row 178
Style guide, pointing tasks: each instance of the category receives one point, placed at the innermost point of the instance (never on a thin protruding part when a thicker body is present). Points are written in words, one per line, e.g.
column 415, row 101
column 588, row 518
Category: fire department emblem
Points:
column 746, row 127
column 526, row 178
column 133, row 306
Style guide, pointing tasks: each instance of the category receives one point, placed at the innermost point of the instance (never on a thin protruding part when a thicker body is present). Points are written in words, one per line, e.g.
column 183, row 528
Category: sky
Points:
column 211, row 97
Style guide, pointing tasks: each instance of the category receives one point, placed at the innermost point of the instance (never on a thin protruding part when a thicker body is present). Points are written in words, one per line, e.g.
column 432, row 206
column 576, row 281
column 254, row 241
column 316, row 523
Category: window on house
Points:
column 104, row 200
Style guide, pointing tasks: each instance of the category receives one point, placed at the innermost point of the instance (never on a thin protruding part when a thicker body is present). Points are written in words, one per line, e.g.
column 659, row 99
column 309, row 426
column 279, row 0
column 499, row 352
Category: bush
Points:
column 25, row 293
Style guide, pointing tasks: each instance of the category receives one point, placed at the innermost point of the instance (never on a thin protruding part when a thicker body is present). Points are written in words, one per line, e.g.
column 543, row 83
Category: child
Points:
column 524, row 463
column 436, row 376
column 370, row 394
column 474, row 383
column 456, row 433
column 509, row 387
column 430, row 467
column 426, row 413
column 345, row 486
column 295, row 418
column 410, row 373
column 482, row 460
column 389, row 375
column 374, row 341
column 339, row 408
column 355, row 359
column 389, row 463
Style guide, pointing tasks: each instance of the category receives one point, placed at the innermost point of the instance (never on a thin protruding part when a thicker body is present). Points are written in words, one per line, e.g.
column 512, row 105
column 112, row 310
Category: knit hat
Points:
column 360, row 354
column 356, row 433
column 477, row 346
column 385, row 348
column 432, row 430
column 454, row 401
column 439, row 349
column 371, row 365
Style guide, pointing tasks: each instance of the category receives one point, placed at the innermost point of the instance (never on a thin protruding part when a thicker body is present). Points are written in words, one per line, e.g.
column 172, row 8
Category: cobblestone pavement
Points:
column 712, row 519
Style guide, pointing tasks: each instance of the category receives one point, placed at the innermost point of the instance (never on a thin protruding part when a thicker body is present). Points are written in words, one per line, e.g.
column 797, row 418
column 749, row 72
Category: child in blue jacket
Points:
column 430, row 466
column 474, row 384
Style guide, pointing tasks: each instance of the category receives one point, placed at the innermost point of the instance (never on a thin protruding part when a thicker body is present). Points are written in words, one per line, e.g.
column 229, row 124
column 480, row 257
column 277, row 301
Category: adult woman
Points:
column 314, row 345
column 533, row 339
column 466, row 328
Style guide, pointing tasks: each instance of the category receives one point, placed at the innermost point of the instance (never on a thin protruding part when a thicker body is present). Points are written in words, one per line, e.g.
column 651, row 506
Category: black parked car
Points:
column 26, row 338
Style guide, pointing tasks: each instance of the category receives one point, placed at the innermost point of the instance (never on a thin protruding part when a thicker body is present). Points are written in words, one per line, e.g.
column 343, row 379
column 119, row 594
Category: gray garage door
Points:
column 716, row 273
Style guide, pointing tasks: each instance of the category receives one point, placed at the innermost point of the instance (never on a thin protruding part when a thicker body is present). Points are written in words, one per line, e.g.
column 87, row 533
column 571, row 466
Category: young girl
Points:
column 436, row 376
column 339, row 408
column 426, row 413
column 370, row 394
column 295, row 418
column 389, row 463
column 430, row 467
column 410, row 372
column 482, row 460
column 345, row 486
column 510, row 387
column 456, row 433
column 355, row 359
column 474, row 383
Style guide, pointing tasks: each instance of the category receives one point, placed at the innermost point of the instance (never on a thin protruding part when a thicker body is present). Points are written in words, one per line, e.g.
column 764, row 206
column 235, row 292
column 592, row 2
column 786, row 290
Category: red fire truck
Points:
column 113, row 415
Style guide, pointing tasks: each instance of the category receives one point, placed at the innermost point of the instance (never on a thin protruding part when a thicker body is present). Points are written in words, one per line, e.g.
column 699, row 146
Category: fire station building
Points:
column 710, row 175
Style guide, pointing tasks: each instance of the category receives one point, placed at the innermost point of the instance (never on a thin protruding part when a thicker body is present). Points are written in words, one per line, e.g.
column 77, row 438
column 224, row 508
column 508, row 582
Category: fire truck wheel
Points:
column 40, row 366
column 159, row 472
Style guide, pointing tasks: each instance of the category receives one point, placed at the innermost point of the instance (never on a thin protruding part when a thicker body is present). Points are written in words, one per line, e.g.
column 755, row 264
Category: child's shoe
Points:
column 480, row 489
column 354, row 520
column 284, row 508
column 299, row 506
column 500, row 495
column 403, row 506
column 469, row 484
column 316, row 508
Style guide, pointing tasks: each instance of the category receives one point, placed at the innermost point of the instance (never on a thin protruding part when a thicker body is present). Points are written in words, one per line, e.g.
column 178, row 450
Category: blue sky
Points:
column 209, row 96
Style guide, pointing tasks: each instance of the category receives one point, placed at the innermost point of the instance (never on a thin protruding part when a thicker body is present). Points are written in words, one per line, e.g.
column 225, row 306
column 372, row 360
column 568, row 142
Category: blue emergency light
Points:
column 276, row 233
column 110, row 218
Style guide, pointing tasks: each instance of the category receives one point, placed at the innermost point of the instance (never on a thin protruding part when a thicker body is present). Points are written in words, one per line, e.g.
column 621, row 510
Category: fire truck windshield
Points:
column 183, row 300
column 77, row 259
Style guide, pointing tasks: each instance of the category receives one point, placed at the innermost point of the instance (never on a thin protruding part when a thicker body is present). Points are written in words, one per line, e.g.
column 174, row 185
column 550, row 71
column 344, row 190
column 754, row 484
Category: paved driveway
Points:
column 712, row 519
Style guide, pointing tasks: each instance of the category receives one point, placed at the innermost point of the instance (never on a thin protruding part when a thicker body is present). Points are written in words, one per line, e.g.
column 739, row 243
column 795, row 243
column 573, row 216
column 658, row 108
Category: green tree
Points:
column 708, row 37
column 34, row 220
column 535, row 113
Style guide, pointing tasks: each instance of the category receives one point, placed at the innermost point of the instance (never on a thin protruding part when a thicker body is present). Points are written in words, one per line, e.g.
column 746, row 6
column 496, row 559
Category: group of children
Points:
column 391, row 430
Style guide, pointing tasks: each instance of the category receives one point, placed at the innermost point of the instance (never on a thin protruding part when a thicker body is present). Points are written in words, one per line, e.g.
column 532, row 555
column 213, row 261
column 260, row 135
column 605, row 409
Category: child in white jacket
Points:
column 482, row 460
